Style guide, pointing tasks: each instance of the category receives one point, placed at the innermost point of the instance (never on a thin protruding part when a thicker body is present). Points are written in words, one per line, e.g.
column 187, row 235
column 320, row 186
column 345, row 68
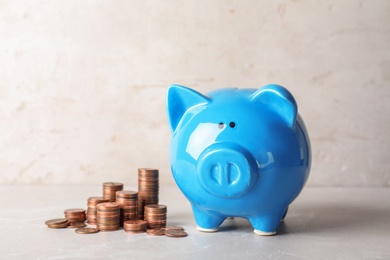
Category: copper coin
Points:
column 107, row 206
column 112, row 184
column 74, row 211
column 157, row 207
column 127, row 193
column 135, row 222
column 173, row 228
column 147, row 171
column 85, row 230
column 155, row 232
column 107, row 214
column 63, row 225
column 95, row 199
column 107, row 228
column 56, row 221
column 175, row 233
column 77, row 225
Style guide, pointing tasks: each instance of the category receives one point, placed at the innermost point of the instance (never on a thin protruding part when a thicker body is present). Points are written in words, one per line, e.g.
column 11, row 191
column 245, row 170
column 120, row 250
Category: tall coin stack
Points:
column 107, row 218
column 127, row 201
column 147, row 189
column 156, row 216
column 110, row 189
column 91, row 210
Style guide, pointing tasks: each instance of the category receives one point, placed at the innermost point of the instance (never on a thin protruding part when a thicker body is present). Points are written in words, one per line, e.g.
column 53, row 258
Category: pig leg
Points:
column 265, row 225
column 207, row 221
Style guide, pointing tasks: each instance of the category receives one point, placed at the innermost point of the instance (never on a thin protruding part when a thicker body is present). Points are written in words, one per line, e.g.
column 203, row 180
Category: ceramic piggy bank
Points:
column 238, row 152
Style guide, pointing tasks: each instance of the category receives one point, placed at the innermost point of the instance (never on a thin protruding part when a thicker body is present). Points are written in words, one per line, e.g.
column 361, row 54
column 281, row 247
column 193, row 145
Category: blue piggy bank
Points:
column 238, row 152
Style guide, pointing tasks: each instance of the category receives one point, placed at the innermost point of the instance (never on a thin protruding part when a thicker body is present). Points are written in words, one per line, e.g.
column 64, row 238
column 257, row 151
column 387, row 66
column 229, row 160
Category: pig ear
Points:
column 179, row 100
column 278, row 99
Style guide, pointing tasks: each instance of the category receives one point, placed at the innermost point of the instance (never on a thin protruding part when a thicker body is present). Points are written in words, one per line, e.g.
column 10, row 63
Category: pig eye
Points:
column 221, row 125
column 232, row 124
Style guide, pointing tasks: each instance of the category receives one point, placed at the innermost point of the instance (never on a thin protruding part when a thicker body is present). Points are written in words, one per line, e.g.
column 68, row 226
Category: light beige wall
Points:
column 82, row 83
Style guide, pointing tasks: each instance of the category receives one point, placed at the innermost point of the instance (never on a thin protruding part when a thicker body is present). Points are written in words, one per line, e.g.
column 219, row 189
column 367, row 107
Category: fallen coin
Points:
column 61, row 225
column 173, row 228
column 85, row 230
column 76, row 225
column 56, row 221
column 175, row 233
column 156, row 232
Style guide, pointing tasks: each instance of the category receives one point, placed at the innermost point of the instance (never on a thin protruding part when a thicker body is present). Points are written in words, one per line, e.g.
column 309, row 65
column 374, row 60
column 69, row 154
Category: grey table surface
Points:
column 322, row 223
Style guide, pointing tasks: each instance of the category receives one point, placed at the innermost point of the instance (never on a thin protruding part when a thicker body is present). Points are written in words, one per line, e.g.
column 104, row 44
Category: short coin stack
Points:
column 57, row 223
column 76, row 217
column 110, row 189
column 91, row 211
column 147, row 189
column 127, row 201
column 156, row 216
column 134, row 226
column 107, row 218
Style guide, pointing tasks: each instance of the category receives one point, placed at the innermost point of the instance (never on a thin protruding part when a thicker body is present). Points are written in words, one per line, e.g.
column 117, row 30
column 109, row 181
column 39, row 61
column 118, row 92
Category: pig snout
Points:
column 226, row 170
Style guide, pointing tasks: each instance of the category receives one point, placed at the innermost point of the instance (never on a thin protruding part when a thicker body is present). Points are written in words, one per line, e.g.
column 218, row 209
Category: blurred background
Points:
column 83, row 83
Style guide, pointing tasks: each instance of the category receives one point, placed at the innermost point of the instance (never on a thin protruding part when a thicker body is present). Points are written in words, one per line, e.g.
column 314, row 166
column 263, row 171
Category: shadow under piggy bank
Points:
column 323, row 220
column 341, row 219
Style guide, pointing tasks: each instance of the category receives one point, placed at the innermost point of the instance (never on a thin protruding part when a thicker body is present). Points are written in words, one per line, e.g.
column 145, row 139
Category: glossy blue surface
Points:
column 238, row 152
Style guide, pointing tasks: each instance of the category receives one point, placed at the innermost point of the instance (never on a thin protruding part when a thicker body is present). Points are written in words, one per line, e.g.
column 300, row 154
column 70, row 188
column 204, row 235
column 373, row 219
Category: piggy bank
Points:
column 238, row 153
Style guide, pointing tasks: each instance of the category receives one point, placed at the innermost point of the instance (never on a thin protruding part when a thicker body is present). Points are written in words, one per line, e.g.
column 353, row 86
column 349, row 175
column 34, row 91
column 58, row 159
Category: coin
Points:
column 134, row 225
column 62, row 225
column 76, row 225
column 148, row 188
column 156, row 232
column 75, row 215
column 110, row 189
column 127, row 194
column 175, row 233
column 85, row 230
column 156, row 216
column 74, row 211
column 91, row 210
column 56, row 221
column 108, row 206
column 107, row 216
column 173, row 228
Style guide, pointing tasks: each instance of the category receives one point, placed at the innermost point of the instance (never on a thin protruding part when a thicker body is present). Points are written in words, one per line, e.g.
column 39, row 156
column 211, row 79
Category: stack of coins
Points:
column 127, row 201
column 76, row 217
column 156, row 216
column 109, row 190
column 107, row 218
column 57, row 223
column 91, row 211
column 134, row 226
column 147, row 189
